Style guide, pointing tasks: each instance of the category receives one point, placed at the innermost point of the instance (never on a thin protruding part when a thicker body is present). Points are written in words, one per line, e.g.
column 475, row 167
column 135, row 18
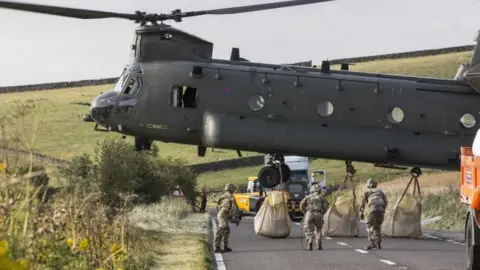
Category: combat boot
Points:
column 310, row 245
column 227, row 249
column 319, row 246
column 218, row 250
column 379, row 245
column 370, row 246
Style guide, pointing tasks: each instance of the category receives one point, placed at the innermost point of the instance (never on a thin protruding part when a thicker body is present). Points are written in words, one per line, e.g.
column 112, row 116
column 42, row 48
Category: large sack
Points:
column 273, row 220
column 341, row 219
column 406, row 220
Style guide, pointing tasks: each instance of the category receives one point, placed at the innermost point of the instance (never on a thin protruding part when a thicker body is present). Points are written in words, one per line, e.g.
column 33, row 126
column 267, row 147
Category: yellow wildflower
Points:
column 5, row 263
column 70, row 242
column 3, row 248
column 21, row 264
column 114, row 248
column 83, row 245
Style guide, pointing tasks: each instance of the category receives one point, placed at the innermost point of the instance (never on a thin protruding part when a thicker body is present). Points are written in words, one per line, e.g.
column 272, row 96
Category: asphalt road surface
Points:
column 255, row 252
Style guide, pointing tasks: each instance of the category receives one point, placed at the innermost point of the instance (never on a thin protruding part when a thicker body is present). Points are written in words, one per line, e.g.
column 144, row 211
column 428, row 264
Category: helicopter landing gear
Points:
column 142, row 143
column 269, row 176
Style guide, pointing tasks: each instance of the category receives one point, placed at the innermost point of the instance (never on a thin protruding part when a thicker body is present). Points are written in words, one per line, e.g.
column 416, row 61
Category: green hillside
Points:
column 443, row 66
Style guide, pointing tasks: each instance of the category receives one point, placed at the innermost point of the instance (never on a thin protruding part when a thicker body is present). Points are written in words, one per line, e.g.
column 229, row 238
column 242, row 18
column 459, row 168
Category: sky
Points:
column 37, row 48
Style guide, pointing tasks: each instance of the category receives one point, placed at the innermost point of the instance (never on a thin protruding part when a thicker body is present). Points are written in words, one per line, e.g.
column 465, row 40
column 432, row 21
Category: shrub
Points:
column 122, row 170
column 116, row 169
column 177, row 172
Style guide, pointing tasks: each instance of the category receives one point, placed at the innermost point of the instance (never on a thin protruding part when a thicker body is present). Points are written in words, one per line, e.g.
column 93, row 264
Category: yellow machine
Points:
column 251, row 201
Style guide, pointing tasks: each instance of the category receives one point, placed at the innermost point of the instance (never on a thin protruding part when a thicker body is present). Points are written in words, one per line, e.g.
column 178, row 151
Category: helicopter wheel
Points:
column 268, row 177
column 142, row 143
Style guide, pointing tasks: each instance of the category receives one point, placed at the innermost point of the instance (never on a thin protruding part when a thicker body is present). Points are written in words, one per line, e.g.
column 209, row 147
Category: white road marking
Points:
column 218, row 256
column 298, row 224
column 388, row 262
column 361, row 251
column 446, row 240
column 329, row 238
column 431, row 236
column 343, row 244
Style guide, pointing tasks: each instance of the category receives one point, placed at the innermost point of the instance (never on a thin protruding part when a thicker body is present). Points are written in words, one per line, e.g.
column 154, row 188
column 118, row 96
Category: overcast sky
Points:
column 37, row 48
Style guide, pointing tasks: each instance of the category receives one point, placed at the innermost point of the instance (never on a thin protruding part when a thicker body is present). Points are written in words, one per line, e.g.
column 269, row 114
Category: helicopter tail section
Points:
column 470, row 72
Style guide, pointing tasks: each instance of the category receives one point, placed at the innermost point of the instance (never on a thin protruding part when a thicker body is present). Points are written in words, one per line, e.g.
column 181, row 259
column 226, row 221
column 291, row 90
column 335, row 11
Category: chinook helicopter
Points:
column 172, row 90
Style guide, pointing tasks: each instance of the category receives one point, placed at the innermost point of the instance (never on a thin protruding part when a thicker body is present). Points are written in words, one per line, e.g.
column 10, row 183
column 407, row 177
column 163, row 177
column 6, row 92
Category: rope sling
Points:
column 349, row 177
column 415, row 172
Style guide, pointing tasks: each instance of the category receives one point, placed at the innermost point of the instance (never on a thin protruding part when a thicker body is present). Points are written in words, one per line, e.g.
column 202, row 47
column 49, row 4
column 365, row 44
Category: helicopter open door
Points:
column 184, row 100
column 128, row 97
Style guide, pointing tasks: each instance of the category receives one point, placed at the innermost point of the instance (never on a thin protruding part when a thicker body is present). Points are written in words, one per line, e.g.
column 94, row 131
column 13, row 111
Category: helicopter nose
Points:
column 102, row 106
column 100, row 114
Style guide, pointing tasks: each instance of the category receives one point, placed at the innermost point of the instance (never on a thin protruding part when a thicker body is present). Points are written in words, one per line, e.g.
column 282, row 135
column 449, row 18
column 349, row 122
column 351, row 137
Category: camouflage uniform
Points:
column 227, row 211
column 314, row 206
column 376, row 201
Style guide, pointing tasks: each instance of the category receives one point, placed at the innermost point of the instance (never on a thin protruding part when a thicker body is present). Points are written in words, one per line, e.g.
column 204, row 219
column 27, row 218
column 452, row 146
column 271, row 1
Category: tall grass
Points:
column 171, row 215
column 72, row 229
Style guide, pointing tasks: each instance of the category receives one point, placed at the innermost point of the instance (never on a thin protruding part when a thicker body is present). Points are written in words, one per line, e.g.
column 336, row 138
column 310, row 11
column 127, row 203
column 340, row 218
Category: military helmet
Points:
column 315, row 188
column 230, row 187
column 371, row 183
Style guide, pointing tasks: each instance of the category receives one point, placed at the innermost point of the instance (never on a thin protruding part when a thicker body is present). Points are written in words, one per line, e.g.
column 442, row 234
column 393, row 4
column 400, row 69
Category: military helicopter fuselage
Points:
column 173, row 91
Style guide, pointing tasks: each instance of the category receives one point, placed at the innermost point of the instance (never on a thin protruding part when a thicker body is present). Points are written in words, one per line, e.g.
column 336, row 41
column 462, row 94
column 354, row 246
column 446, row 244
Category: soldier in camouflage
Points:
column 314, row 206
column 227, row 211
column 376, row 201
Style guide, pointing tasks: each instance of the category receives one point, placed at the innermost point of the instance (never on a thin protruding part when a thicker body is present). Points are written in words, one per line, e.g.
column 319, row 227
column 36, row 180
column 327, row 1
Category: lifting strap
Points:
column 348, row 177
column 415, row 172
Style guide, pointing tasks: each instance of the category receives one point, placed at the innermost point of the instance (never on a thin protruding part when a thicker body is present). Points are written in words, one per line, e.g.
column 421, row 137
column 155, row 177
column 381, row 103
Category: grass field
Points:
column 436, row 66
column 63, row 134
column 178, row 238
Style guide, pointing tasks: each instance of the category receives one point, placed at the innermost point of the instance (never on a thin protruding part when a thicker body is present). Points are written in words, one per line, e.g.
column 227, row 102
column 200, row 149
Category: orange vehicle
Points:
column 470, row 195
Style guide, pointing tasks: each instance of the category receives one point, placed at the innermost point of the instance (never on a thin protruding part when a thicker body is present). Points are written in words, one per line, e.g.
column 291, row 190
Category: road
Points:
column 255, row 252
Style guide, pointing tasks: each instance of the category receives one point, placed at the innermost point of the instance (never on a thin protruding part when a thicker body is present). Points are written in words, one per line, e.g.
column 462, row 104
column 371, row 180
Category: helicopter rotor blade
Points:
column 138, row 16
column 252, row 8
column 67, row 12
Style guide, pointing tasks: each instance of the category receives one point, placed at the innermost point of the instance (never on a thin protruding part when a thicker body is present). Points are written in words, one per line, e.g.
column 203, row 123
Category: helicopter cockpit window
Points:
column 133, row 86
column 184, row 97
column 120, row 83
